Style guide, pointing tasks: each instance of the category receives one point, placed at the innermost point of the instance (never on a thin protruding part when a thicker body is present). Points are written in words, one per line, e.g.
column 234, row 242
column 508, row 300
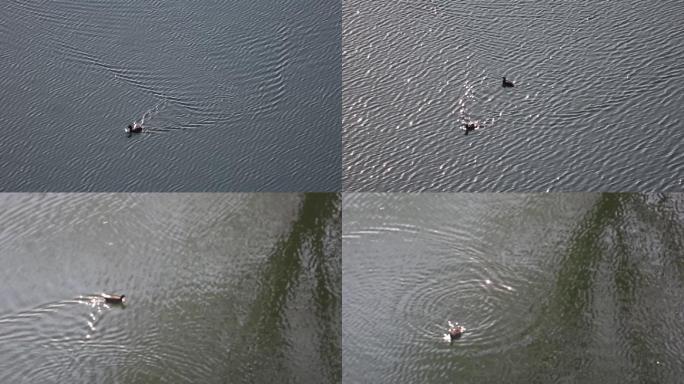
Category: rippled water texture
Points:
column 551, row 288
column 245, row 287
column 235, row 96
column 596, row 104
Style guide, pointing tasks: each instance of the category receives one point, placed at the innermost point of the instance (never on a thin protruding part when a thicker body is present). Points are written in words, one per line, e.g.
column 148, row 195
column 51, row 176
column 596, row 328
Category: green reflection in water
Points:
column 310, row 254
column 571, row 297
column 583, row 308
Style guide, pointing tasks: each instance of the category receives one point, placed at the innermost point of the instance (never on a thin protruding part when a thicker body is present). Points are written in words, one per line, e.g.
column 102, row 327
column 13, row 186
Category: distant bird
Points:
column 506, row 83
column 470, row 127
column 114, row 299
column 455, row 331
column 134, row 128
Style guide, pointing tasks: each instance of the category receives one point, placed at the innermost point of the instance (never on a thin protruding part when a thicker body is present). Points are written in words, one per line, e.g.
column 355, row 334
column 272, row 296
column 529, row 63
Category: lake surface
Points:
column 596, row 104
column 245, row 288
column 552, row 288
column 235, row 96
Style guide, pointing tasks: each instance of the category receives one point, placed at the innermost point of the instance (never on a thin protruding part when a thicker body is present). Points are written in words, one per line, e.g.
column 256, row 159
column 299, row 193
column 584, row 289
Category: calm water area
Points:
column 559, row 288
column 238, row 288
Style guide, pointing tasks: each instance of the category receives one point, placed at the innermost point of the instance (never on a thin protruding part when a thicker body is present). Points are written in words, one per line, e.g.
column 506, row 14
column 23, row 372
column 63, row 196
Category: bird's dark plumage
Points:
column 114, row 299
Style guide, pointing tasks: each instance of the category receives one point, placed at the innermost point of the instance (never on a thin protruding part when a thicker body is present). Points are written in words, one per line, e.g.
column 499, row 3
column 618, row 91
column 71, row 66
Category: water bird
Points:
column 114, row 299
column 455, row 331
column 507, row 83
column 134, row 128
column 470, row 127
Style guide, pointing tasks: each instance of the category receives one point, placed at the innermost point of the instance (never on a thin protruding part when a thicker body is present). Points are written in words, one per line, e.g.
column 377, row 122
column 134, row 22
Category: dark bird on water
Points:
column 134, row 128
column 507, row 83
column 114, row 299
column 455, row 331
column 469, row 127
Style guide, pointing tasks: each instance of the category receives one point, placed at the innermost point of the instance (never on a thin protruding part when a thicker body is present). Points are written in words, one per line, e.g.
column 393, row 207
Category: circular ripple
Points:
column 478, row 303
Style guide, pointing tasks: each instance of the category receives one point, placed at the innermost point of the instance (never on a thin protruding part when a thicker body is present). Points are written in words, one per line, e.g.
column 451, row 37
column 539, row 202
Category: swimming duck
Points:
column 469, row 127
column 134, row 128
column 506, row 83
column 455, row 331
column 114, row 299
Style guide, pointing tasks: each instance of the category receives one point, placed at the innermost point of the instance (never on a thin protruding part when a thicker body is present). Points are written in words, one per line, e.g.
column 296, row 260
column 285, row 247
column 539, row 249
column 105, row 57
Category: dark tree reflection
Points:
column 623, row 262
column 296, row 315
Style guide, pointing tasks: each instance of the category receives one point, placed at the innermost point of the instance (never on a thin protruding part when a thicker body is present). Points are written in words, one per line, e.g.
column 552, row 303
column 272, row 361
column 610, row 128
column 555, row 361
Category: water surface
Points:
column 235, row 96
column 596, row 104
column 551, row 288
column 219, row 286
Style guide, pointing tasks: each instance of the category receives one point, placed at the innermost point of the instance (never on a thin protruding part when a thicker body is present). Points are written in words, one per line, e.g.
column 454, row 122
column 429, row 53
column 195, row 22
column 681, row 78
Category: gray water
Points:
column 235, row 96
column 597, row 103
column 220, row 288
column 552, row 288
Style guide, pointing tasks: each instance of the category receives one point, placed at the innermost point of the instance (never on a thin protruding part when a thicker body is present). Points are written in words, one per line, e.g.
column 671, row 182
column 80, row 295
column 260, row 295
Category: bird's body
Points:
column 470, row 127
column 507, row 83
column 134, row 128
column 114, row 299
column 455, row 331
